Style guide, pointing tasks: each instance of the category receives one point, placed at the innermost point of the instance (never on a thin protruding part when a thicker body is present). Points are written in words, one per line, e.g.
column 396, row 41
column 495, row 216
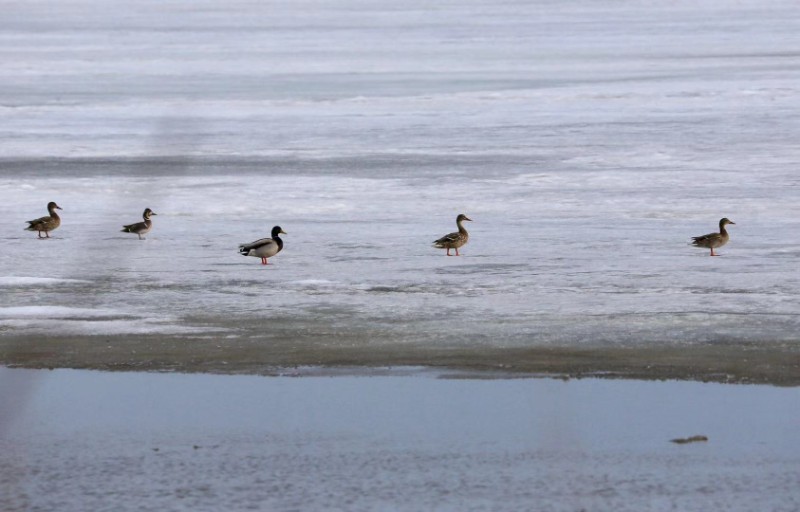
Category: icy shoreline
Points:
column 732, row 363
column 588, row 141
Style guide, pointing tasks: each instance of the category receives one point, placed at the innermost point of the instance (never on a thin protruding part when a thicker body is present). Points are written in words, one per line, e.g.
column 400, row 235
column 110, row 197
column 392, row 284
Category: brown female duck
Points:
column 456, row 239
column 714, row 240
column 46, row 224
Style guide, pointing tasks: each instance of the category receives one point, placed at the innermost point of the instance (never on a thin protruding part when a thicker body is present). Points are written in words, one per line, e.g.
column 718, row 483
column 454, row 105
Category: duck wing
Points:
column 40, row 220
column 257, row 244
column 133, row 228
column 43, row 224
column 710, row 240
column 448, row 238
column 706, row 238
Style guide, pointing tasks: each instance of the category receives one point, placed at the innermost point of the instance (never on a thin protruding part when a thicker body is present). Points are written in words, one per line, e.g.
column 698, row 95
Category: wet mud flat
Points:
column 765, row 363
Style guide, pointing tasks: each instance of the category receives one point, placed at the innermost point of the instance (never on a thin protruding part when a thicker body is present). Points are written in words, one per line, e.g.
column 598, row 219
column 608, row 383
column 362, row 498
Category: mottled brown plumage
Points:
column 456, row 239
column 714, row 240
column 46, row 224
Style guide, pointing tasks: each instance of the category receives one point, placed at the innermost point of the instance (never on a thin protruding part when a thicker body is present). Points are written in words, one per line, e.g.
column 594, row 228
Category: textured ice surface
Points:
column 358, row 256
column 587, row 141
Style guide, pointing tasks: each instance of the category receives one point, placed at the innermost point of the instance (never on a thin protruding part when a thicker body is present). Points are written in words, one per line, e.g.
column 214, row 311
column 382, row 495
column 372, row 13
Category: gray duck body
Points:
column 141, row 228
column 264, row 248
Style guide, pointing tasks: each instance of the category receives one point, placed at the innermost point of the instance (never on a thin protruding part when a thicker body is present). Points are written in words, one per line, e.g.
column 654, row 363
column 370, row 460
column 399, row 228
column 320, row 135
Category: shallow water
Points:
column 588, row 141
column 77, row 440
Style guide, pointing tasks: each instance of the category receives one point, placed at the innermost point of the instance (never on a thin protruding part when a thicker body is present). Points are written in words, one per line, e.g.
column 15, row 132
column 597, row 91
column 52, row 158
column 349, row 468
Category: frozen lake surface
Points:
column 79, row 440
column 587, row 140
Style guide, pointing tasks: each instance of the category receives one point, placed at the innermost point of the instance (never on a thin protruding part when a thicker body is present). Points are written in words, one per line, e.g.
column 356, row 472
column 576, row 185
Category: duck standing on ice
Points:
column 141, row 228
column 265, row 247
column 456, row 239
column 714, row 240
column 46, row 224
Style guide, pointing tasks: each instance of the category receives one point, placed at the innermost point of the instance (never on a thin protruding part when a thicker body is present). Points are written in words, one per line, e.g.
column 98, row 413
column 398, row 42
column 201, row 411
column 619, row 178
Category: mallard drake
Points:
column 454, row 240
column 48, row 223
column 714, row 240
column 264, row 248
column 141, row 228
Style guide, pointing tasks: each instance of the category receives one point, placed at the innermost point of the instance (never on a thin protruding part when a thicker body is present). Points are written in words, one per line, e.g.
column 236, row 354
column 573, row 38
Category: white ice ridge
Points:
column 52, row 312
column 36, row 281
column 63, row 320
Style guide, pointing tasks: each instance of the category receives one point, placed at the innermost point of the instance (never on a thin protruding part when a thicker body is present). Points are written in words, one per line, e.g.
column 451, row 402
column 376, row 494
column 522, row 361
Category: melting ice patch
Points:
column 12, row 281
column 58, row 312
column 63, row 320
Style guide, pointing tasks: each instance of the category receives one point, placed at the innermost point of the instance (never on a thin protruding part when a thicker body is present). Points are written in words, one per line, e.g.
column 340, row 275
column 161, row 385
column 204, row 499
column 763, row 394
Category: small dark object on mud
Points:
column 685, row 440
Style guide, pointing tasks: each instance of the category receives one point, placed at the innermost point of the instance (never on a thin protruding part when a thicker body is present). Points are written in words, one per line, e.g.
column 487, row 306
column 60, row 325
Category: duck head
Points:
column 462, row 217
column 278, row 231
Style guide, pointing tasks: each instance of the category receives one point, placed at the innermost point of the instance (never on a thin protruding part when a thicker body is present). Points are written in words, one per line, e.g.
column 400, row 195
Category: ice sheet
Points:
column 588, row 141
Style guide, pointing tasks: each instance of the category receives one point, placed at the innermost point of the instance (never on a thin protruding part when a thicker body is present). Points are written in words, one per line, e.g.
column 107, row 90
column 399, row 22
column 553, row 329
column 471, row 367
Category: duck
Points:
column 265, row 247
column 141, row 228
column 46, row 224
column 714, row 240
column 456, row 239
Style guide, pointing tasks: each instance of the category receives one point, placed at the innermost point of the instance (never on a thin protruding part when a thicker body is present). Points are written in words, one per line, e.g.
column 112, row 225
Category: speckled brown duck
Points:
column 456, row 239
column 714, row 240
column 46, row 224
